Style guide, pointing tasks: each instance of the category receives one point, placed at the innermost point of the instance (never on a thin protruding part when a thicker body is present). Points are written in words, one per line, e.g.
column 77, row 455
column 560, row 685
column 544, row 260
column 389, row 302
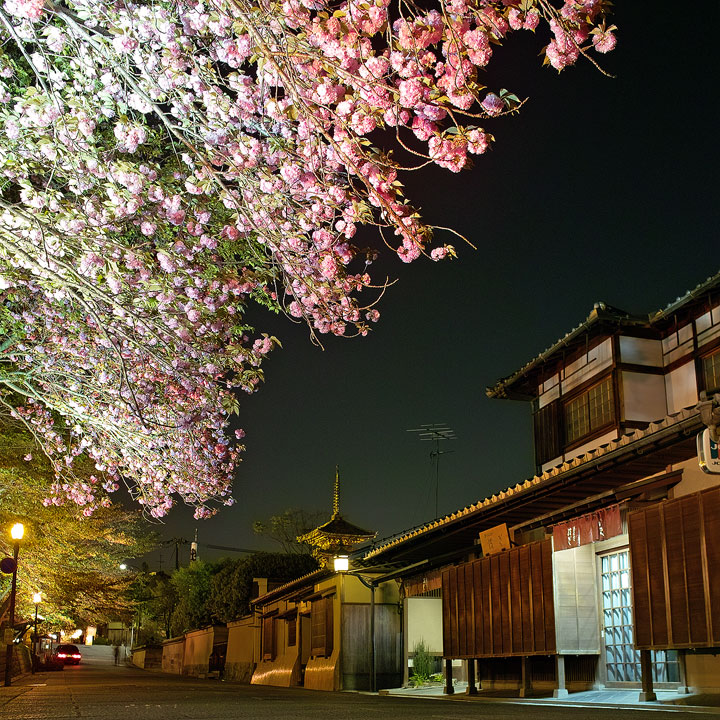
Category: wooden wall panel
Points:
column 501, row 605
column 711, row 537
column 322, row 629
column 674, row 555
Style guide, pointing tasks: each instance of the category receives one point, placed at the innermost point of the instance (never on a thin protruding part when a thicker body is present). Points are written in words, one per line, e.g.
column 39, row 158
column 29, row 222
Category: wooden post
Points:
column 683, row 672
column 525, row 679
column 647, row 694
column 560, row 691
column 471, row 689
column 449, row 689
column 406, row 649
column 479, row 673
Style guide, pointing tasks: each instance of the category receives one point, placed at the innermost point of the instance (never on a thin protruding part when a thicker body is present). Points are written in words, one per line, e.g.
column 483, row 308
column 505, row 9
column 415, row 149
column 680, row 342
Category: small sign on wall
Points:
column 708, row 453
column 495, row 540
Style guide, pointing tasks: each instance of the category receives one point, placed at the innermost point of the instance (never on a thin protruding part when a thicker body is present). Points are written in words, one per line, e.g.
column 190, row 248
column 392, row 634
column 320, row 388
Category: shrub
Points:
column 423, row 664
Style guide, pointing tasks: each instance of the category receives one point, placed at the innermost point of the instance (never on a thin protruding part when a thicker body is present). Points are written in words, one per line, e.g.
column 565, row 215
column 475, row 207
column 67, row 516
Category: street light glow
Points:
column 17, row 531
column 123, row 566
column 341, row 563
column 37, row 598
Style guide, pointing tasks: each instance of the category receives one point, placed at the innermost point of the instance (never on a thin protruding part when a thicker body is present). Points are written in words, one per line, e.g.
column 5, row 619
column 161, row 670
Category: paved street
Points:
column 97, row 690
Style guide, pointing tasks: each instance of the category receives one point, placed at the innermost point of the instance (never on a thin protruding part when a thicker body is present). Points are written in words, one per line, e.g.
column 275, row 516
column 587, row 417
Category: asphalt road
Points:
column 97, row 690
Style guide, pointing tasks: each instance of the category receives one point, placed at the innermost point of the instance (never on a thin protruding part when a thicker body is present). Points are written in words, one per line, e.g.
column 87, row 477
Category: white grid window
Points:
column 621, row 659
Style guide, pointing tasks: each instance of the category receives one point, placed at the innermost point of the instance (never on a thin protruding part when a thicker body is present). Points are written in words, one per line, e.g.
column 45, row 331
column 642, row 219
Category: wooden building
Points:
column 317, row 632
column 606, row 576
column 329, row 630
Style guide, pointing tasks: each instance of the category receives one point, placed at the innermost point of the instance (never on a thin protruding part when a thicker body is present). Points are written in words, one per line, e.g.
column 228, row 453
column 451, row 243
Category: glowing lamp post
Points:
column 16, row 533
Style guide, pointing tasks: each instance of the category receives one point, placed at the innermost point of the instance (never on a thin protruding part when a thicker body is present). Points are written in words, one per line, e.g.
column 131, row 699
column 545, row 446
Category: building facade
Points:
column 605, row 578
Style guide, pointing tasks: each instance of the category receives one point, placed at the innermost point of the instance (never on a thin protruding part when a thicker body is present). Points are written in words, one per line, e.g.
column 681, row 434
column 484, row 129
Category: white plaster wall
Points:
column 587, row 366
column 592, row 445
column 641, row 351
column 678, row 344
column 681, row 388
column 425, row 623
column 706, row 321
column 643, row 397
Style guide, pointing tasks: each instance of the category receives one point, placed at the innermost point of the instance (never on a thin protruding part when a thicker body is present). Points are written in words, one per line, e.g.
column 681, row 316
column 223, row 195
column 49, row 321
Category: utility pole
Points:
column 436, row 432
column 194, row 548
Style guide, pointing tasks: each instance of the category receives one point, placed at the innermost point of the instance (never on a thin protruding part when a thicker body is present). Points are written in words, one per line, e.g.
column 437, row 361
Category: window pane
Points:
column 591, row 410
column 711, row 371
column 577, row 420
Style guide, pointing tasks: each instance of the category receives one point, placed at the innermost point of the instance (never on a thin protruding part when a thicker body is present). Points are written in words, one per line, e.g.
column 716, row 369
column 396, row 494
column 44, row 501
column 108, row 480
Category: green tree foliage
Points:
column 219, row 592
column 71, row 559
column 192, row 585
column 154, row 598
column 231, row 587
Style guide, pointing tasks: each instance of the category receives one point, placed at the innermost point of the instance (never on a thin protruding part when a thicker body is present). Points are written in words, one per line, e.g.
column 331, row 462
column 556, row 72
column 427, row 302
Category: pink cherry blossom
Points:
column 175, row 162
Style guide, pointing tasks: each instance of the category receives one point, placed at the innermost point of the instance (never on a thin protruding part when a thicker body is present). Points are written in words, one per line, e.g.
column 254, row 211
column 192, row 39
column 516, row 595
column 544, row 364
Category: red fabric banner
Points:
column 593, row 527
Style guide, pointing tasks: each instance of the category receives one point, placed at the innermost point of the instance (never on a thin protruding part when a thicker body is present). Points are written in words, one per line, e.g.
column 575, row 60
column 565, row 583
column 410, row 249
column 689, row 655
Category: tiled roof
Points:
column 548, row 477
column 698, row 290
column 602, row 312
column 270, row 595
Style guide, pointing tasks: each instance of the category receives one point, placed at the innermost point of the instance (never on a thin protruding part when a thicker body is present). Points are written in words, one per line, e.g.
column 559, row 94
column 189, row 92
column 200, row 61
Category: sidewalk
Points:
column 616, row 698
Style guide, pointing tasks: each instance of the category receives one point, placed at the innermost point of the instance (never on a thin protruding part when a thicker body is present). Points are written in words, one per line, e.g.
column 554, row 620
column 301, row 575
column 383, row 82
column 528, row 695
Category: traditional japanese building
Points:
column 598, row 570
column 331, row 629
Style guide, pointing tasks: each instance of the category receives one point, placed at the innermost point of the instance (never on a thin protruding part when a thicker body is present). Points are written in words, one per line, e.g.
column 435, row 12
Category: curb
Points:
column 670, row 706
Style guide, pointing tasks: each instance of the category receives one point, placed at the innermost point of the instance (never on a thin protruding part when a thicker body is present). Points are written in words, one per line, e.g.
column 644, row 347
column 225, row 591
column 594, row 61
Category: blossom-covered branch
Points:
column 164, row 164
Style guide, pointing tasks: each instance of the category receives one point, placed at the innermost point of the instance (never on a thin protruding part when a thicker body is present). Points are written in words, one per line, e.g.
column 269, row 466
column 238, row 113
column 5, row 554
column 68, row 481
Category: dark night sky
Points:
column 600, row 189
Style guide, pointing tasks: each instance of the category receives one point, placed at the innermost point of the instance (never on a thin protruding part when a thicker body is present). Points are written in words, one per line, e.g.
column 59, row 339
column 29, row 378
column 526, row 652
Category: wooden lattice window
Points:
column 268, row 638
column 321, row 627
column 711, row 372
column 292, row 631
column 589, row 411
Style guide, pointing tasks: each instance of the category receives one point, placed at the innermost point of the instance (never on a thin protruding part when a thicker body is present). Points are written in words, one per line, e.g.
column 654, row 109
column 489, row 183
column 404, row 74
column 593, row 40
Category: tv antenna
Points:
column 436, row 432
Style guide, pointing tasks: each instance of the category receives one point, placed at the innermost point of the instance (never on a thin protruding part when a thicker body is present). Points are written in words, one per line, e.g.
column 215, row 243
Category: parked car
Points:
column 68, row 654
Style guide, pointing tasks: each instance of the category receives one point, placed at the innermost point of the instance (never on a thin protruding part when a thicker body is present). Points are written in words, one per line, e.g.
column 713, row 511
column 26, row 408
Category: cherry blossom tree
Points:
column 164, row 164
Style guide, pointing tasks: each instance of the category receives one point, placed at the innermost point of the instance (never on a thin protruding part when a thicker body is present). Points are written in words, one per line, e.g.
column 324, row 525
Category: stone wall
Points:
column 172, row 655
column 240, row 659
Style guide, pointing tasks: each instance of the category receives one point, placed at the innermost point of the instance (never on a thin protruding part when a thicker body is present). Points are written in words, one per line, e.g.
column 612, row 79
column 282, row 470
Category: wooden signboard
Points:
column 495, row 540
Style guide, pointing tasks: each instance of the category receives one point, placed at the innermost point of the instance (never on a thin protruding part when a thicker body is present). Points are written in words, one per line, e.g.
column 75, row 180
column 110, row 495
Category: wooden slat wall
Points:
column 322, row 627
column 674, row 554
column 501, row 605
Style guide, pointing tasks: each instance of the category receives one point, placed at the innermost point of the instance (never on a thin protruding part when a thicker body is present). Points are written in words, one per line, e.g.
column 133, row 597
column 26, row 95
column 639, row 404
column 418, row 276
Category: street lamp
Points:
column 16, row 533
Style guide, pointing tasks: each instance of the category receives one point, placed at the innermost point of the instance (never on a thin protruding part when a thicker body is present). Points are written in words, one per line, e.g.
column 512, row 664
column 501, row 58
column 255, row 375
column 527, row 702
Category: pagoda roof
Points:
column 336, row 533
column 338, row 528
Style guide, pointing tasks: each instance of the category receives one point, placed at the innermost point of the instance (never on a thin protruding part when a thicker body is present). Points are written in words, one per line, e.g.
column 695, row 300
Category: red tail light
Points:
column 77, row 655
column 62, row 654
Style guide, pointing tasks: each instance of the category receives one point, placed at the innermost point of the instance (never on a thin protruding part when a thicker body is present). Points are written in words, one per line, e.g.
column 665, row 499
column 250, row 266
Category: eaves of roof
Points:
column 667, row 431
column 602, row 314
column 292, row 587
column 698, row 291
